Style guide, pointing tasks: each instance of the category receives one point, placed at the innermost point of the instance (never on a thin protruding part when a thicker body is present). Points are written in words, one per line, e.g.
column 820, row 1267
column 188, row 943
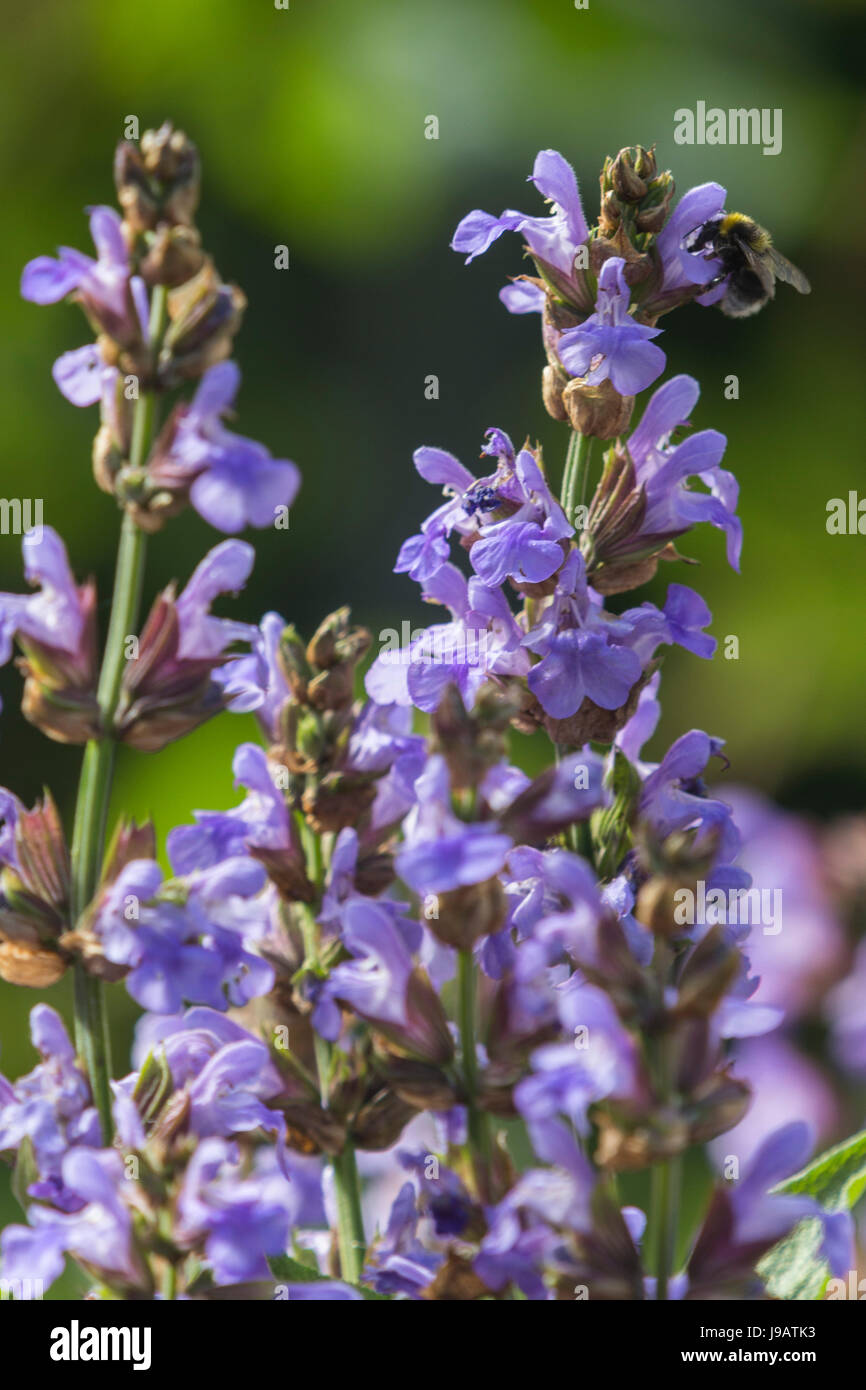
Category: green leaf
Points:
column 794, row 1269
column 290, row 1271
column 25, row 1171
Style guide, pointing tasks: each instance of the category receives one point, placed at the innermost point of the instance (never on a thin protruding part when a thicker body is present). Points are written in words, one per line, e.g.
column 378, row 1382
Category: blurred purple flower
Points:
column 439, row 851
column 114, row 302
column 98, row 1231
column 239, row 1219
column 50, row 1107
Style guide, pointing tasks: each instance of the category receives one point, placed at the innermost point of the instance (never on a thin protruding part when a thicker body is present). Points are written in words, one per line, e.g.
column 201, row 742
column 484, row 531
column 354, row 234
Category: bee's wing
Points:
column 784, row 270
column 758, row 264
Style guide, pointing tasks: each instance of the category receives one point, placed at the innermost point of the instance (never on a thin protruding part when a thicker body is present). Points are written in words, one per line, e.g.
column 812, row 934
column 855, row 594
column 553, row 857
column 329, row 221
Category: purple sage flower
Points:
column 610, row 345
column 233, row 482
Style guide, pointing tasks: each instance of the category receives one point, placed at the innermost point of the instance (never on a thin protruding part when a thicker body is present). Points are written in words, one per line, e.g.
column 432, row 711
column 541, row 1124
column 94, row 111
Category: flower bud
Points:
column 623, row 176
column 553, row 383
column 173, row 257
column 338, row 800
column 471, row 741
column 719, row 1105
column 34, row 898
column 597, row 410
column 466, row 914
column 136, row 197
column 157, row 180
column 627, row 1143
column 419, row 1084
column 379, row 1124
column 204, row 316
column 710, row 970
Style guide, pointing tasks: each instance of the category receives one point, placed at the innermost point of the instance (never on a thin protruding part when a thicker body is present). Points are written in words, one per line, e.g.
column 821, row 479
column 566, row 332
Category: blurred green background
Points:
column 310, row 122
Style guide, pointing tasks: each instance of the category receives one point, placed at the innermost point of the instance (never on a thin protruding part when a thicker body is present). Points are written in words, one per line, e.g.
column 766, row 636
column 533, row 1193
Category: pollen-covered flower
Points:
column 512, row 524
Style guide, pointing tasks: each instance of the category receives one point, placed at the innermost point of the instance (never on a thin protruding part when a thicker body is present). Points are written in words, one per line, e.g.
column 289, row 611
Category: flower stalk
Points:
column 576, row 474
column 478, row 1130
column 94, row 789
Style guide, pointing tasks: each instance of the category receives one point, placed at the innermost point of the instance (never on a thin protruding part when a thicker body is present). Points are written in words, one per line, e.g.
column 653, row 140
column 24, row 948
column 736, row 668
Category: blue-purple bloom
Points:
column 482, row 640
column 683, row 267
column 673, row 795
column 240, row 1219
column 610, row 345
column 663, row 470
column 261, row 821
column 56, row 616
column 256, row 682
column 50, row 1107
column 233, row 482
column 518, row 523
column 96, row 1227
column 747, row 1219
column 399, row 1263
column 104, row 287
column 553, row 240
column 440, row 852
column 582, row 653
column 187, row 941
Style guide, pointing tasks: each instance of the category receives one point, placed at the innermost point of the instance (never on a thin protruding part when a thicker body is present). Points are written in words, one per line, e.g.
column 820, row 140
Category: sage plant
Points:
column 398, row 954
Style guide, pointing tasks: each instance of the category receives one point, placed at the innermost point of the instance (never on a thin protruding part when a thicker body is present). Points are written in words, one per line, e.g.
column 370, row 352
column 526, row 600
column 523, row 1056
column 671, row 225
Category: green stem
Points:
column 94, row 787
column 321, row 1048
column 477, row 1126
column 350, row 1222
column 576, row 475
column 666, row 1175
column 665, row 1211
column 347, row 1183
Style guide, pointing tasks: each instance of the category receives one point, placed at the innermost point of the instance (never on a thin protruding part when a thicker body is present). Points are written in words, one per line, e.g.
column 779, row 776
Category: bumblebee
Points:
column 751, row 263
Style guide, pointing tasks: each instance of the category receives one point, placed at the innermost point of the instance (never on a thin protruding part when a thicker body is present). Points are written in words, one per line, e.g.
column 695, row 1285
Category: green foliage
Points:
column 794, row 1269
column 291, row 1271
